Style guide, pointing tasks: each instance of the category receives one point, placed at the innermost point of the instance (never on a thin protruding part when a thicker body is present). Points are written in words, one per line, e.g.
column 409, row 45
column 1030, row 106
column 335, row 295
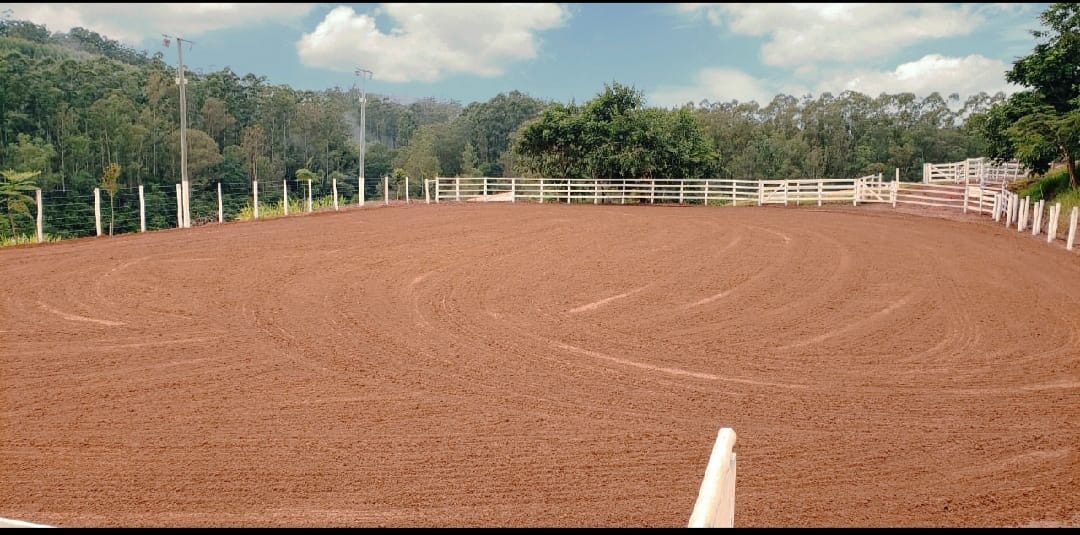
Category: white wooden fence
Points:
column 716, row 191
column 982, row 171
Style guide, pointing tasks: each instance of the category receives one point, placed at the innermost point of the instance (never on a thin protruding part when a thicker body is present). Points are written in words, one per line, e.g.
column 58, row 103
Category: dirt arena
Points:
column 543, row 365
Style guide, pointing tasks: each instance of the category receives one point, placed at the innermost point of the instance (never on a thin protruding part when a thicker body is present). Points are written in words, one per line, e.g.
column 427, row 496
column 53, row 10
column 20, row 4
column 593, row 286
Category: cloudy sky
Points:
column 674, row 53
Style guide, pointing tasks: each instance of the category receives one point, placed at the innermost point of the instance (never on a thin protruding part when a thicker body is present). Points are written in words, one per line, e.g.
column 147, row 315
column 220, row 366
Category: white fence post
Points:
column 255, row 198
column 733, row 192
column 1072, row 228
column 513, row 189
column 485, row 189
column 285, row 195
column 622, row 193
column 179, row 208
column 682, row 188
column 760, row 192
column 437, row 183
column 652, row 191
column 855, row 198
column 706, row 192
column 966, row 189
column 1022, row 223
column 40, row 228
column 97, row 210
column 568, row 181
column 1037, row 219
column 542, row 190
column 310, row 205
column 820, row 189
column 715, row 505
column 997, row 205
column 406, row 190
column 220, row 207
column 596, row 192
column 1052, row 224
column 895, row 188
column 386, row 189
column 427, row 191
column 333, row 191
column 142, row 210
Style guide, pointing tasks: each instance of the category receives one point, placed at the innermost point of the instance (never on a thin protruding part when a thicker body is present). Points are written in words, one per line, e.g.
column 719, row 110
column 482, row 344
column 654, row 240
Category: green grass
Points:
column 1068, row 200
column 1044, row 187
column 296, row 206
column 25, row 239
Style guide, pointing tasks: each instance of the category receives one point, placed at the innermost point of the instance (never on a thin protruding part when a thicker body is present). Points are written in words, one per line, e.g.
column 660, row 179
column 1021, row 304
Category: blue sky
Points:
column 673, row 53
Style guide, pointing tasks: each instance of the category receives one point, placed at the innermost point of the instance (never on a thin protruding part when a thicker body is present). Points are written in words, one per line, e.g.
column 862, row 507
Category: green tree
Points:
column 110, row 182
column 1052, row 71
column 15, row 193
column 468, row 161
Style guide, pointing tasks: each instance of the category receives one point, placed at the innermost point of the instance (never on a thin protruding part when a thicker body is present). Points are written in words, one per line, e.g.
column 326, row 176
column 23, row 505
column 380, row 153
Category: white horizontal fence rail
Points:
column 713, row 191
column 982, row 171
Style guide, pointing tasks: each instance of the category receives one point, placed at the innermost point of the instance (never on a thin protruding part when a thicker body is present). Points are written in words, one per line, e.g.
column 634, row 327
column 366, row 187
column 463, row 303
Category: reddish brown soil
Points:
column 543, row 365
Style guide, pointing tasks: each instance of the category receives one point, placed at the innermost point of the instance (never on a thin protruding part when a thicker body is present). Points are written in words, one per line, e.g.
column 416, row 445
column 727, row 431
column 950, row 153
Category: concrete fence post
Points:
column 333, row 191
column 406, row 190
column 179, row 208
column 310, row 204
column 513, row 189
column 142, row 210
column 285, row 195
column 386, row 189
column 1052, row 224
column 255, row 198
column 1072, row 228
column 37, row 201
column 1037, row 219
column 220, row 206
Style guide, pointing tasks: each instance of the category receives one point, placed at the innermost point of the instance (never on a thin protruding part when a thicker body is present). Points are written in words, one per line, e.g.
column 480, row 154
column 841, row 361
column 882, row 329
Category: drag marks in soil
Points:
column 524, row 365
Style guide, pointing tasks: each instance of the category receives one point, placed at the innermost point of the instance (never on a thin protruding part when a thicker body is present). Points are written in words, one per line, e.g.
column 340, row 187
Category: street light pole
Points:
column 182, row 82
column 363, row 74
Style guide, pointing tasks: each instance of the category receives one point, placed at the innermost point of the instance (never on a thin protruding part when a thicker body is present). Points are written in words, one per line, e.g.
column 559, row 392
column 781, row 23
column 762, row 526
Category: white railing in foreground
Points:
column 715, row 506
column 9, row 523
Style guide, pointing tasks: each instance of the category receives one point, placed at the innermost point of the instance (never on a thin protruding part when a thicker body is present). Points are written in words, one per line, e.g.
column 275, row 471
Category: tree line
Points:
column 73, row 104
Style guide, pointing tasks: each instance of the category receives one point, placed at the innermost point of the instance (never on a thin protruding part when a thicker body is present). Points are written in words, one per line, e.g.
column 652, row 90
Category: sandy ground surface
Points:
column 543, row 365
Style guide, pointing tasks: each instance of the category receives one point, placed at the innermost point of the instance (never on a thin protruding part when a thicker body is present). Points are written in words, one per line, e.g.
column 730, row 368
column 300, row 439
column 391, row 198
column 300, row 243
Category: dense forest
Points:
column 77, row 107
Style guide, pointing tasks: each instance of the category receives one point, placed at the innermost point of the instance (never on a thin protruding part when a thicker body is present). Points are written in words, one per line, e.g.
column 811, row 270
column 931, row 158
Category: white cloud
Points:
column 799, row 34
column 721, row 84
column 429, row 41
column 966, row 75
column 132, row 23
